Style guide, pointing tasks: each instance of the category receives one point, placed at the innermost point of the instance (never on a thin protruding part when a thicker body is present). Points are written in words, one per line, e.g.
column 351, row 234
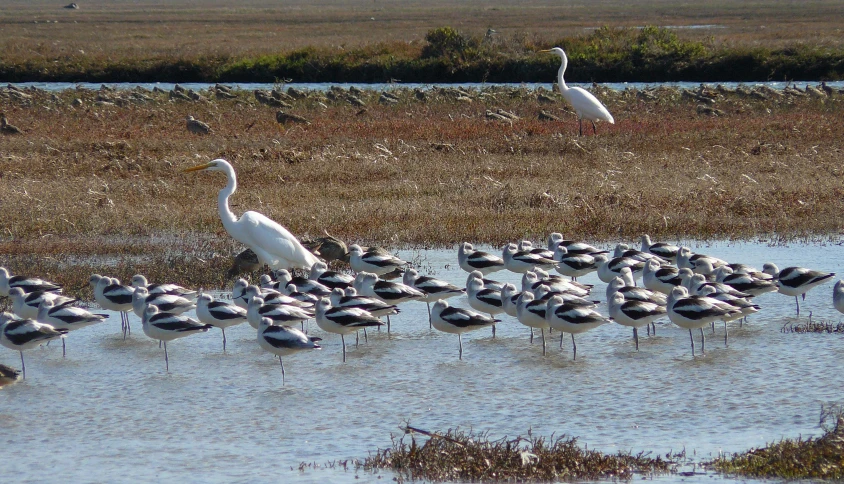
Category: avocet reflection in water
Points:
column 114, row 410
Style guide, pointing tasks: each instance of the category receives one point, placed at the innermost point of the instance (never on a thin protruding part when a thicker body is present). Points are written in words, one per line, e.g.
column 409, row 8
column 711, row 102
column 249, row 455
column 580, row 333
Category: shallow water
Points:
column 109, row 411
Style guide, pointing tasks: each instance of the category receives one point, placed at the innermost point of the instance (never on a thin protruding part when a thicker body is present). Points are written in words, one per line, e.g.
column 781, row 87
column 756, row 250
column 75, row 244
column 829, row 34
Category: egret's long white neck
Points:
column 226, row 215
column 560, row 80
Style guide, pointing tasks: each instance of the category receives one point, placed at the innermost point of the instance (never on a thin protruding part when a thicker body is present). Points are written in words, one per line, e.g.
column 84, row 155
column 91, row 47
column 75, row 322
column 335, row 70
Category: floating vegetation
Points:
column 458, row 455
column 814, row 327
column 821, row 458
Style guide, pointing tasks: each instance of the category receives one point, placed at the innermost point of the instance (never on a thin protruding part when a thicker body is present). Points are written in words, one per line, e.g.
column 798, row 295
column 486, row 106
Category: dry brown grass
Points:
column 189, row 29
column 105, row 180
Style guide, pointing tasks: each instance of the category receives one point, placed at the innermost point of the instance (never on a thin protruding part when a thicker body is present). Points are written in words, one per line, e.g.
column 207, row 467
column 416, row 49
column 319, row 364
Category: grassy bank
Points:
column 649, row 54
column 812, row 458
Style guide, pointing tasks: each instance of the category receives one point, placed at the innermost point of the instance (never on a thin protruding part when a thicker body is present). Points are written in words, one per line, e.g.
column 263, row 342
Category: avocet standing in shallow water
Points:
column 797, row 281
column 167, row 327
column 458, row 321
column 471, row 260
column 25, row 334
column 284, row 341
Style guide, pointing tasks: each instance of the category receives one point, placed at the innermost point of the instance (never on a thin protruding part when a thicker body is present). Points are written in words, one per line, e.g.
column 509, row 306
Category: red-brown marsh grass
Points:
column 106, row 180
column 463, row 456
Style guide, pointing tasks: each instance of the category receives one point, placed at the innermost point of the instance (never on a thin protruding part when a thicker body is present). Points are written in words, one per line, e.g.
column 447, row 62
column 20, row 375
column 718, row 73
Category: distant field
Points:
column 186, row 29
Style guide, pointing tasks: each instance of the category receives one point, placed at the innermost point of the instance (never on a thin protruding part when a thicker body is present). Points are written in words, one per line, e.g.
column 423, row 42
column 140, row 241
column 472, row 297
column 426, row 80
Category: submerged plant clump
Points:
column 820, row 458
column 463, row 456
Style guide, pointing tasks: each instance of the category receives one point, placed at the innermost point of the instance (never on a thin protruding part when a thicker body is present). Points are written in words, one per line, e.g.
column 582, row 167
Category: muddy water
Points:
column 109, row 411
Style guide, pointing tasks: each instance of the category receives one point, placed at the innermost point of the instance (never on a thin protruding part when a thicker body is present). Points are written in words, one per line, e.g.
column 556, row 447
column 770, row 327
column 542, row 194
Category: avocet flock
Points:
column 692, row 290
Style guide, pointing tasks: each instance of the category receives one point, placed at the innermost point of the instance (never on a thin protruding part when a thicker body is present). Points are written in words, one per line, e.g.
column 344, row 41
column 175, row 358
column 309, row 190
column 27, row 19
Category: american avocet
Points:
column 475, row 260
column 368, row 284
column 527, row 246
column 8, row 375
column 744, row 282
column 66, row 317
column 624, row 250
column 520, row 261
column 698, row 281
column 686, row 259
column 608, row 269
column 139, row 280
column 278, row 313
column 25, row 305
column 167, row 327
column 28, row 284
column 531, row 313
column 691, row 312
column 24, row 334
column 458, row 320
column 350, row 299
column 573, row 247
column 166, row 303
column 239, row 296
column 797, row 281
column 284, row 341
column 434, row 289
column 330, row 279
column 488, row 283
column 634, row 293
column 744, row 306
column 273, row 244
column 112, row 295
column 303, row 284
column 374, row 261
column 838, row 296
column 544, row 293
column 634, row 313
column 509, row 299
column 574, row 265
column 572, row 319
column 660, row 278
column 585, row 104
column 531, row 280
column 662, row 249
column 343, row 321
column 219, row 314
column 484, row 300
column 305, row 297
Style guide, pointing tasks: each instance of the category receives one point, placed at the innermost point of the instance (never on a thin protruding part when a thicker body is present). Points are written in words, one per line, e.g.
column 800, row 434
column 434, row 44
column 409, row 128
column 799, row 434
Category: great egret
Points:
column 584, row 103
column 273, row 244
